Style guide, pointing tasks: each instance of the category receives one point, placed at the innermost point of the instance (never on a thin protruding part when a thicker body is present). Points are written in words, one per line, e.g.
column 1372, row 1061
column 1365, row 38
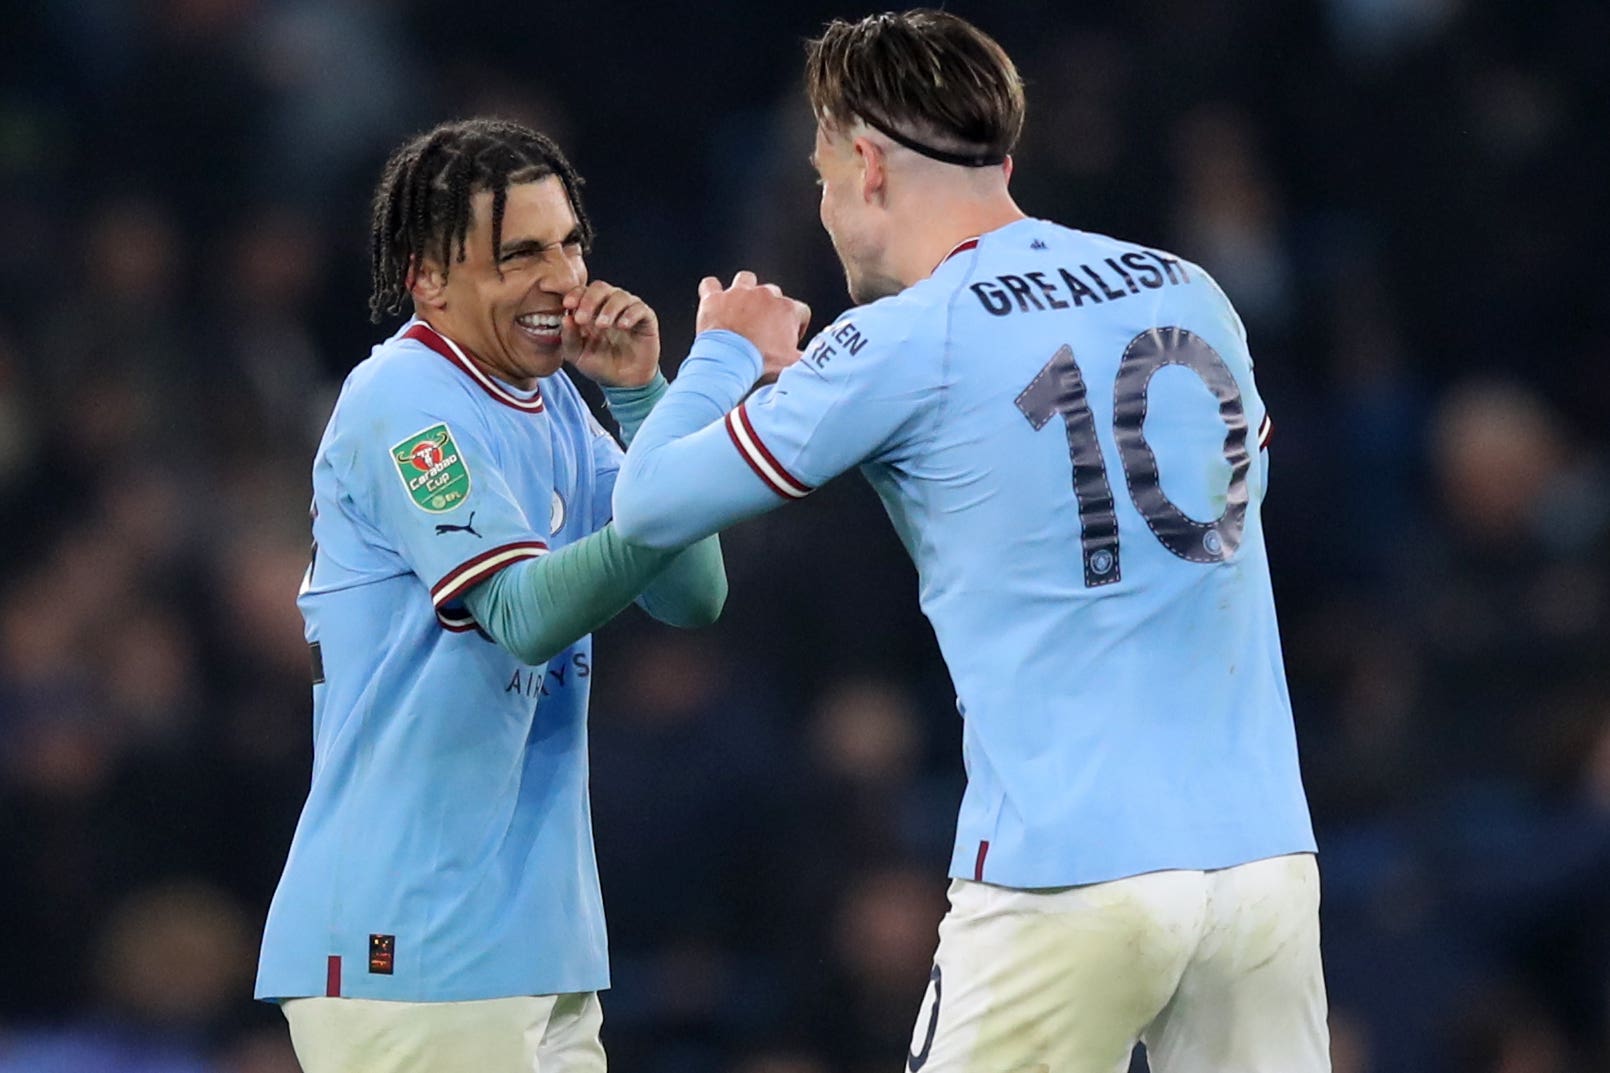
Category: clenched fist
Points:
column 761, row 313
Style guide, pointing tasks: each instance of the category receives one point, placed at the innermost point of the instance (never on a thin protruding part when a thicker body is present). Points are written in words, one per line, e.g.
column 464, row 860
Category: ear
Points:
column 874, row 170
column 427, row 284
column 1008, row 167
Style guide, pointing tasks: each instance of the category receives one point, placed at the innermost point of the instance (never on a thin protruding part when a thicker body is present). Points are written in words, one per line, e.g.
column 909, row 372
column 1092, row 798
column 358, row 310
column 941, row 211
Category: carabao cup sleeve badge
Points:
column 432, row 469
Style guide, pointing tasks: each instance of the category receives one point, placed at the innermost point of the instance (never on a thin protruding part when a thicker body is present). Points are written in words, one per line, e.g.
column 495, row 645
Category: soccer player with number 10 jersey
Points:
column 1066, row 434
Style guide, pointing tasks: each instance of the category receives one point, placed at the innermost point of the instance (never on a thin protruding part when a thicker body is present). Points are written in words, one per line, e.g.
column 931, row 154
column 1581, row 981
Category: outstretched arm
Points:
column 707, row 457
column 692, row 588
column 537, row 608
column 682, row 479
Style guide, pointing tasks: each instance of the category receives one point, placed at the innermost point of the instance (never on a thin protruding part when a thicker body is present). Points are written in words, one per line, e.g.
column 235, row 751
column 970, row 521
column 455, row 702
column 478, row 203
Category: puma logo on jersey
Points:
column 467, row 527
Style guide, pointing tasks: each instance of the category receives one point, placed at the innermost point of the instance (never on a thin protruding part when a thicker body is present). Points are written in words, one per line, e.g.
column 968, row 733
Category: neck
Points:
column 523, row 383
column 936, row 225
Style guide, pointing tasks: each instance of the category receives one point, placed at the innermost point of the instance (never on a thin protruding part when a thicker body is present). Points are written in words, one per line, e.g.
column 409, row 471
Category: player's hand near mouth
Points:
column 610, row 335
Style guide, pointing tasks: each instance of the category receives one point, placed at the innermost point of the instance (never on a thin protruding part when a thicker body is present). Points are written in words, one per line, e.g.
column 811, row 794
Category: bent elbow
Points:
column 640, row 526
column 705, row 611
column 692, row 611
column 632, row 526
column 646, row 533
column 533, row 652
column 534, row 655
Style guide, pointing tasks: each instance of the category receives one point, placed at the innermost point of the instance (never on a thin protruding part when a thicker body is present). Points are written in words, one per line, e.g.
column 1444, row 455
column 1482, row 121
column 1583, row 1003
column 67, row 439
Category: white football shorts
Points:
column 1216, row 972
column 537, row 1034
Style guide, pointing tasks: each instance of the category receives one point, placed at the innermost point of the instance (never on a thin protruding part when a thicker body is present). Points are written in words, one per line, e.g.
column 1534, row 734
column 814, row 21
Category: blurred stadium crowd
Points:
column 1405, row 198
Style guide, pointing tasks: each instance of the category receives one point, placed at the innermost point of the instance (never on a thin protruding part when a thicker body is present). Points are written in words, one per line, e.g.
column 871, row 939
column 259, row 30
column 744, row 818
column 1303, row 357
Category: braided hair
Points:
column 422, row 205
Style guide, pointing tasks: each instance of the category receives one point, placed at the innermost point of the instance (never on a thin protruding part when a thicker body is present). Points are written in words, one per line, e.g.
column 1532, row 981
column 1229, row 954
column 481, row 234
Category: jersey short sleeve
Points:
column 418, row 459
column 857, row 395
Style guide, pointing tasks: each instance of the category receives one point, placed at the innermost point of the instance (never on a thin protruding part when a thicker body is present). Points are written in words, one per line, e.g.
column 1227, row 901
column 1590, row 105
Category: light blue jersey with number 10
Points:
column 1065, row 432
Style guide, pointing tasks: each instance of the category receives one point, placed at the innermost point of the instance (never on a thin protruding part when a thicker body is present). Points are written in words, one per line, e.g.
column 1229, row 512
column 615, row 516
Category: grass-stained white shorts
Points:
column 1217, row 972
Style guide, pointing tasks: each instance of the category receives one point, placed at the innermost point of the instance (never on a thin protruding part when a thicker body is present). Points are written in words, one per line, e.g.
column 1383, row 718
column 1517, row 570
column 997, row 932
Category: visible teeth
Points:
column 542, row 322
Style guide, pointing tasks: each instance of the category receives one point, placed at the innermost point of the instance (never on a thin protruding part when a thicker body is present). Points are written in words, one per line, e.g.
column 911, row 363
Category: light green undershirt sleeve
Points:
column 537, row 608
column 632, row 405
column 692, row 589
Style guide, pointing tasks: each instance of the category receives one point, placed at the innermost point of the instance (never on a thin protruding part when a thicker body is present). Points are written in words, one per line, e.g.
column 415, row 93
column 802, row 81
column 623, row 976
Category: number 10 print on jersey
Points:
column 1060, row 389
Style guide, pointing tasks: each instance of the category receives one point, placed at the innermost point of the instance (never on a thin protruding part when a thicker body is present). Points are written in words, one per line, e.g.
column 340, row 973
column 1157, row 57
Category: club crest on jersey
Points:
column 432, row 469
column 556, row 515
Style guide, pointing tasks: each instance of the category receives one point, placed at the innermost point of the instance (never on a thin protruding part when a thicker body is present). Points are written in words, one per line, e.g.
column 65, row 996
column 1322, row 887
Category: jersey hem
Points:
column 277, row 995
column 1029, row 879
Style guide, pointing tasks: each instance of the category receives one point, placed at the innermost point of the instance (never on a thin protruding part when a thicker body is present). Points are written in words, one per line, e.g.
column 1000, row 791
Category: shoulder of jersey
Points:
column 1094, row 243
column 898, row 316
column 401, row 368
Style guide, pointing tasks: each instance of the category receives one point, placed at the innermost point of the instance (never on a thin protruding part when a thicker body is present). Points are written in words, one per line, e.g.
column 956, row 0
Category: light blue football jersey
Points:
column 1065, row 432
column 445, row 850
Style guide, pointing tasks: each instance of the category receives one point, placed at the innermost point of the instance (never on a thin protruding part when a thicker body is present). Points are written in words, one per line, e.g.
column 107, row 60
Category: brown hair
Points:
column 919, row 76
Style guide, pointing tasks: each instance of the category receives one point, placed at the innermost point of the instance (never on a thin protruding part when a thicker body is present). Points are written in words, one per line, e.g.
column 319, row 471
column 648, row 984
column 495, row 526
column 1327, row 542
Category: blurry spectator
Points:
column 186, row 115
column 1515, row 591
column 1377, row 419
column 259, row 739
column 773, row 226
column 168, row 966
column 267, row 384
column 1349, row 1044
column 151, row 509
column 343, row 84
column 1360, row 694
column 17, row 424
column 1081, row 146
column 867, row 800
column 1230, row 214
column 150, row 681
column 1505, row 1031
column 688, row 788
column 120, row 315
column 884, row 935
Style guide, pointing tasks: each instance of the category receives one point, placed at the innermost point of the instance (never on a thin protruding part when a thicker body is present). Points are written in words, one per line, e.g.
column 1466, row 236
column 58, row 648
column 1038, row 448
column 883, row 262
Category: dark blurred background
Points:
column 1405, row 198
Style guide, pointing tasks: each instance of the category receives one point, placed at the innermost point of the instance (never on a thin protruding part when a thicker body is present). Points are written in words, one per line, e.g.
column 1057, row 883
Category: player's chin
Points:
column 865, row 293
column 539, row 356
column 547, row 366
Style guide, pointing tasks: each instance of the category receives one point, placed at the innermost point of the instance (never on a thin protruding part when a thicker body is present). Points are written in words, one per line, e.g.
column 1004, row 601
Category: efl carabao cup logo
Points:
column 432, row 469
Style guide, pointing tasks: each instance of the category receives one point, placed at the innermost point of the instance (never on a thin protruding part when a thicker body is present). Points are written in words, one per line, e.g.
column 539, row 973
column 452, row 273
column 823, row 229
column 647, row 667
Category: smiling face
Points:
column 508, row 312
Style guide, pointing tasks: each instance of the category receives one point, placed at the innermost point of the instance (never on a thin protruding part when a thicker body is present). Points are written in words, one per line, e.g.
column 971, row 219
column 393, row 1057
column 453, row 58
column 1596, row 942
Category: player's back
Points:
column 1084, row 513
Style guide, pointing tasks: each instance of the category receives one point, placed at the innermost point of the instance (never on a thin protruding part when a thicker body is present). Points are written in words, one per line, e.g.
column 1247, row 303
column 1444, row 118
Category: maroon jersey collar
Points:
column 421, row 332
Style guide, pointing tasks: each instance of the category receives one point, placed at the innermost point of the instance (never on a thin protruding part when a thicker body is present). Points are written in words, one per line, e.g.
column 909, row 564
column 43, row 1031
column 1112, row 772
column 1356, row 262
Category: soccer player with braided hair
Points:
column 1067, row 434
column 439, row 909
